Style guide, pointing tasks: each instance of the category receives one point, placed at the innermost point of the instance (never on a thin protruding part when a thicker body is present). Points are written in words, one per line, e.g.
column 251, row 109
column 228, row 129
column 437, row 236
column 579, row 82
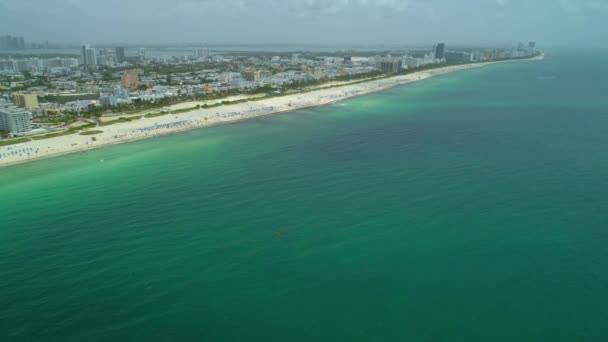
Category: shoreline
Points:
column 208, row 117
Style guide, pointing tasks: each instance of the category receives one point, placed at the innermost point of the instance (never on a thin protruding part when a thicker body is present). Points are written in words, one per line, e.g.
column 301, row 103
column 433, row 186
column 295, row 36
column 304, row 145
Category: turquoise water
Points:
column 469, row 207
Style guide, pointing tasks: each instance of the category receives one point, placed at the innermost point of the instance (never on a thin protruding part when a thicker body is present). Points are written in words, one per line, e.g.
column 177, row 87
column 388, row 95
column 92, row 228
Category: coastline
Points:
column 207, row 117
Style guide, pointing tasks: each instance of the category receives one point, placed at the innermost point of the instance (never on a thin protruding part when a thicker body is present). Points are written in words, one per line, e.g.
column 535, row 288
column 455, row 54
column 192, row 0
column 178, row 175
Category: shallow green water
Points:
column 469, row 207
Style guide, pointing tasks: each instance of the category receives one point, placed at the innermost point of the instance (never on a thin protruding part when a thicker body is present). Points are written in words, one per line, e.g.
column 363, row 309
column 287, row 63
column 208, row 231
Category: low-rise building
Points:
column 265, row 74
column 78, row 106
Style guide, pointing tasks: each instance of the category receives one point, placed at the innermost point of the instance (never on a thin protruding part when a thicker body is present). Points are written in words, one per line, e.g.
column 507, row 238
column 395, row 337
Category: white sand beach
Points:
column 171, row 123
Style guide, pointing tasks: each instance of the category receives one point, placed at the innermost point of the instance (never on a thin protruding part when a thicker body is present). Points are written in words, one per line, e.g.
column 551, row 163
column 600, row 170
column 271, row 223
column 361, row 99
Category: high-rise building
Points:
column 252, row 75
column 141, row 53
column 390, row 65
column 199, row 52
column 8, row 65
column 14, row 120
column 440, row 51
column 130, row 79
column 458, row 57
column 531, row 48
column 55, row 63
column 202, row 51
column 120, row 54
column 521, row 46
column 91, row 55
column 88, row 55
column 83, row 54
column 26, row 100
column 22, row 65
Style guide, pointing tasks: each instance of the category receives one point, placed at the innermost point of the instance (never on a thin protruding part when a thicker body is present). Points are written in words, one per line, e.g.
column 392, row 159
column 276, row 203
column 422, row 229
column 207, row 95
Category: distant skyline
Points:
column 553, row 23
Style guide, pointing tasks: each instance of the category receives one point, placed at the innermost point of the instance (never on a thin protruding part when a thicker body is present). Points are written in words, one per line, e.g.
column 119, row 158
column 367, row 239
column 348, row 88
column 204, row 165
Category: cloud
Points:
column 321, row 6
column 393, row 5
column 297, row 21
column 336, row 7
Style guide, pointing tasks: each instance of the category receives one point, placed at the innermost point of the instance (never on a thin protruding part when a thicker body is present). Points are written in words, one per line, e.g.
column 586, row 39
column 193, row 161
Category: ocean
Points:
column 468, row 207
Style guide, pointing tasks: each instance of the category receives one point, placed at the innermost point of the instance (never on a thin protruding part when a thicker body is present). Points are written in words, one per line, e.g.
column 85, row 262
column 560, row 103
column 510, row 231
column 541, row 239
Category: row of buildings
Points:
column 12, row 65
column 522, row 50
column 91, row 56
column 8, row 42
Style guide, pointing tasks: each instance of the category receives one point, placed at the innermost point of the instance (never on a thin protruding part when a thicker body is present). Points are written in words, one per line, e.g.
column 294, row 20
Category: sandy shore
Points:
column 171, row 123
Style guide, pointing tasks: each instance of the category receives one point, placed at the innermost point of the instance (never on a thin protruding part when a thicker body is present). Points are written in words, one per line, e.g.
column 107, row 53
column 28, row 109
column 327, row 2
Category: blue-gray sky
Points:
column 580, row 23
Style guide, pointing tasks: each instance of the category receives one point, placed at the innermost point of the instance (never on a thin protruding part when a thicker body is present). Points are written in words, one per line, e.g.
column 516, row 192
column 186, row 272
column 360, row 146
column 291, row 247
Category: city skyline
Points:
column 577, row 23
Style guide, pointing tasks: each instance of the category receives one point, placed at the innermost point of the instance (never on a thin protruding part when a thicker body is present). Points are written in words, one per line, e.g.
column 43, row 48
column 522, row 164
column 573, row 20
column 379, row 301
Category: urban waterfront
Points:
column 53, row 94
column 467, row 207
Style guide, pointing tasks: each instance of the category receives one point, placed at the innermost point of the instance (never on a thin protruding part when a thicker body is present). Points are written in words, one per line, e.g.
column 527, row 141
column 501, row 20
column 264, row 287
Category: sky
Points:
column 552, row 23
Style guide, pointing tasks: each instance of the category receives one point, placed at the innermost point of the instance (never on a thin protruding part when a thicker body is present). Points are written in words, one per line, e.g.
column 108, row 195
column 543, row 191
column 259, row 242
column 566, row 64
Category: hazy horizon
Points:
column 552, row 23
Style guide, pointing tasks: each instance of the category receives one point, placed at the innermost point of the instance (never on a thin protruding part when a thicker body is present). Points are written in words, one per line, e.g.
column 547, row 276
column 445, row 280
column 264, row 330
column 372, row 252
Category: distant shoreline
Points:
column 208, row 117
